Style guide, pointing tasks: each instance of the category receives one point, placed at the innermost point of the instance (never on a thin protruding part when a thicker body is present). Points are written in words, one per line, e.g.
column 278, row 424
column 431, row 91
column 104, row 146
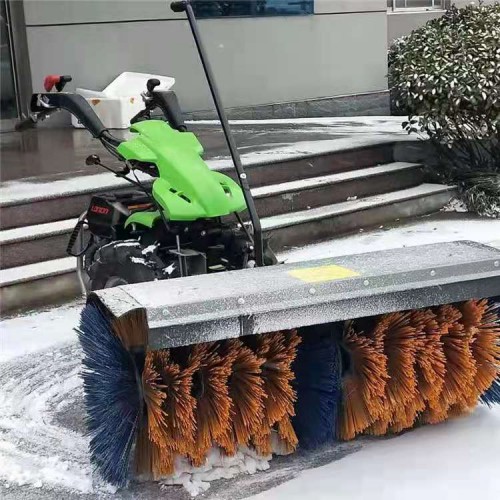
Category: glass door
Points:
column 8, row 96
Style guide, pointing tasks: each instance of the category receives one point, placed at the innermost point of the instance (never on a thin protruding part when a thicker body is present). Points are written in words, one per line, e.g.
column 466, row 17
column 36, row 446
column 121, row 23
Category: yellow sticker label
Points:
column 323, row 273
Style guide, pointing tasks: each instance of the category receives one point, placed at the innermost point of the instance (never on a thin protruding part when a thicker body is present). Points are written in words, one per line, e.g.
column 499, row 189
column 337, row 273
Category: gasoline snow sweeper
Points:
column 218, row 349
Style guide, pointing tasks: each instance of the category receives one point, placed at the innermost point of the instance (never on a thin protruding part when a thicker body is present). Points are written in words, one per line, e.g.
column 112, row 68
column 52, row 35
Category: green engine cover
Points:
column 186, row 188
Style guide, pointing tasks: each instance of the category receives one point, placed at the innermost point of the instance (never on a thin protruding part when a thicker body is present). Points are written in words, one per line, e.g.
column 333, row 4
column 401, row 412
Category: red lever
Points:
column 50, row 81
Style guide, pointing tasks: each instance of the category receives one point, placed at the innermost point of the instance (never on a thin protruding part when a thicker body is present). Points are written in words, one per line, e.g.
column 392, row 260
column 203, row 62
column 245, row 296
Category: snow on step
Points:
column 314, row 182
column 304, row 216
column 36, row 271
column 10, row 236
column 28, row 233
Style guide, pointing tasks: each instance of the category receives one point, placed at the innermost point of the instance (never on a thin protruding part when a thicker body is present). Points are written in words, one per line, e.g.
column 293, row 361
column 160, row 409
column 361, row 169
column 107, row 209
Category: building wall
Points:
column 340, row 50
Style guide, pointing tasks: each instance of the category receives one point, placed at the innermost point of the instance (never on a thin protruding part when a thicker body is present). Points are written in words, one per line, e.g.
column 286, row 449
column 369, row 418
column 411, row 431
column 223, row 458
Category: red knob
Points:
column 50, row 81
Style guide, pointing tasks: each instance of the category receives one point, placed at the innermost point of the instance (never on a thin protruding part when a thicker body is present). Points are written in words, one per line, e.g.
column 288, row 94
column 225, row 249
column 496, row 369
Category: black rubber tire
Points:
column 121, row 263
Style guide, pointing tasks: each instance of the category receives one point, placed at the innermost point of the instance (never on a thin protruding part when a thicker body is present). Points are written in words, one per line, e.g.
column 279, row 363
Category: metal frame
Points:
column 21, row 69
column 435, row 5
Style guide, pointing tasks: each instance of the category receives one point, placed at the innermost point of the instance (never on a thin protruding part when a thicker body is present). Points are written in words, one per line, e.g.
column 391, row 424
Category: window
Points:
column 416, row 4
column 250, row 8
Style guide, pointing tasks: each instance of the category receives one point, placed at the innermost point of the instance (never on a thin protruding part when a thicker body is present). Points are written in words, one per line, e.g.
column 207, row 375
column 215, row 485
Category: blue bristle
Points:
column 112, row 397
column 317, row 371
column 492, row 395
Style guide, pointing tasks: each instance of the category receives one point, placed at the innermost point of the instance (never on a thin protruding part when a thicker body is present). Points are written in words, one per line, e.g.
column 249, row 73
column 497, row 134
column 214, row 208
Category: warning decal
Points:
column 322, row 273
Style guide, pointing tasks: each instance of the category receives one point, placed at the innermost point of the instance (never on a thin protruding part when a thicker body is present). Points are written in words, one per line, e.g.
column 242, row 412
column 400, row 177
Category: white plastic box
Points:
column 121, row 99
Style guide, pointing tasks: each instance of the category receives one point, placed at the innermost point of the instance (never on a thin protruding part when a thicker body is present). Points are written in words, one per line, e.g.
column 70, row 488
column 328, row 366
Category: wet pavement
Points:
column 61, row 152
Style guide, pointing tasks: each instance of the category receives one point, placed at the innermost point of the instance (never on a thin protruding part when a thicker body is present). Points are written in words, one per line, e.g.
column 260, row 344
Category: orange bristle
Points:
column 132, row 328
column 278, row 351
column 246, row 393
column 429, row 369
column 154, row 398
column 177, row 435
column 287, row 437
column 482, row 320
column 363, row 384
column 213, row 404
column 430, row 359
column 460, row 367
column 143, row 454
column 400, row 339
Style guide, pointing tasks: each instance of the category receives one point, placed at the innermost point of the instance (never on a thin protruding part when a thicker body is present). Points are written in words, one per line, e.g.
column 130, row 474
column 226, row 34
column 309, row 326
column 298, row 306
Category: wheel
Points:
column 122, row 263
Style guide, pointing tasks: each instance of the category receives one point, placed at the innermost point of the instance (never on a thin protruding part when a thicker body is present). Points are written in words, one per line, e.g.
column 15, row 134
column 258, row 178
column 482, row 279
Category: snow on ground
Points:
column 44, row 451
column 407, row 235
column 458, row 459
column 34, row 332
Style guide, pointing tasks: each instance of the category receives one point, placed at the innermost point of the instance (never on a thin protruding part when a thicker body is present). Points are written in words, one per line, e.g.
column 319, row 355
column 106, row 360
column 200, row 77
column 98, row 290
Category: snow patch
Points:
column 38, row 330
column 150, row 249
column 411, row 234
column 455, row 205
column 138, row 260
column 218, row 466
column 457, row 459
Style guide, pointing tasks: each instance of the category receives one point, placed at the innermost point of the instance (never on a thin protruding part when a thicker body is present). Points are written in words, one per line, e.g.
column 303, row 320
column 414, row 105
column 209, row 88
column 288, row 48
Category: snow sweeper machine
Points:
column 195, row 338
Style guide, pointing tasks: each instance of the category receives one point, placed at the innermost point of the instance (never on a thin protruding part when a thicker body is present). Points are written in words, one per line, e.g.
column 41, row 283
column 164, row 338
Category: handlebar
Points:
column 44, row 104
column 74, row 103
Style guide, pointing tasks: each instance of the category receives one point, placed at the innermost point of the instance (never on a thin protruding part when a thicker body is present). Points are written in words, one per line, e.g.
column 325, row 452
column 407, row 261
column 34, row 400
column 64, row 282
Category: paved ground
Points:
column 43, row 449
column 59, row 153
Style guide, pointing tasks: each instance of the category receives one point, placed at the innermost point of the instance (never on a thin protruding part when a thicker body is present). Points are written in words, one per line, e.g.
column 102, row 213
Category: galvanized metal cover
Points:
column 216, row 306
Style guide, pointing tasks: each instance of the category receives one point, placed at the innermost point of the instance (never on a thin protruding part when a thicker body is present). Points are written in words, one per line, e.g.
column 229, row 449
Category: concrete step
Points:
column 308, row 226
column 38, row 284
column 42, row 200
column 335, row 188
column 45, row 282
column 41, row 242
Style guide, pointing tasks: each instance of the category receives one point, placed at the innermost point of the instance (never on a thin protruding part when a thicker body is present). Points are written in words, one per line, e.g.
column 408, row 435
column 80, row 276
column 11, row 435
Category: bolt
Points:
column 165, row 312
column 433, row 273
column 312, row 291
column 243, row 176
column 241, row 301
column 366, row 282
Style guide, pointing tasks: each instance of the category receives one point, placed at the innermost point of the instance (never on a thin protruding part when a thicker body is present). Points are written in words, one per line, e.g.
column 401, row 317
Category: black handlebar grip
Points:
column 152, row 84
column 25, row 124
column 179, row 6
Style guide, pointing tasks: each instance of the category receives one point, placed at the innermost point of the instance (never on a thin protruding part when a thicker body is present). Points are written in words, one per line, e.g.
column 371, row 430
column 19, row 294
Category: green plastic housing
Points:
column 186, row 188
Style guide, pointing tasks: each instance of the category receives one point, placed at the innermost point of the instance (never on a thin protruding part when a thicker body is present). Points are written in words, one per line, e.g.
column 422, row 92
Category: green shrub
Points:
column 446, row 77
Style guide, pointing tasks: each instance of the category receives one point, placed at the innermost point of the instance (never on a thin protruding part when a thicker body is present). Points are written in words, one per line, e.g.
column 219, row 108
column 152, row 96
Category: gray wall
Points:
column 339, row 51
column 403, row 23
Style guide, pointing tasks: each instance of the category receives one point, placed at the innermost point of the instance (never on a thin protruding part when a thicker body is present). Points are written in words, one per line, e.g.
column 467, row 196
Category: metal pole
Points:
column 185, row 6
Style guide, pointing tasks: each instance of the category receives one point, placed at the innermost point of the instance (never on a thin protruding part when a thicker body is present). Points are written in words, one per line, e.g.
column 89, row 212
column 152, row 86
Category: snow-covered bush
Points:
column 446, row 77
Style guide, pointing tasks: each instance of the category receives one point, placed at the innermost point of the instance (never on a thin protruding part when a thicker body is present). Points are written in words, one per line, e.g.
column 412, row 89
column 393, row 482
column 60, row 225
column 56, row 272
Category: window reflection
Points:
column 245, row 8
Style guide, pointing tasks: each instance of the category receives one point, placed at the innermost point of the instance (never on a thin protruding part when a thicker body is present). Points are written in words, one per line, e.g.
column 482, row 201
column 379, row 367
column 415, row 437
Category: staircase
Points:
column 300, row 201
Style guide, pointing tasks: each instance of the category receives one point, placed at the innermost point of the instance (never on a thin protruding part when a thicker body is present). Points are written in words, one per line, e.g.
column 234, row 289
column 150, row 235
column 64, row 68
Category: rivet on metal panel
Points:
column 165, row 312
column 241, row 301
column 366, row 282
column 433, row 273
